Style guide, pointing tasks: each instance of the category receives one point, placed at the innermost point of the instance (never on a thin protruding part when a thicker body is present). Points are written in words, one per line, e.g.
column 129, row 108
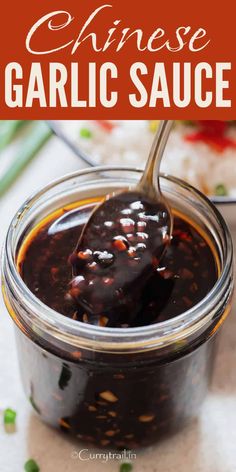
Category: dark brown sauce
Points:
column 123, row 400
column 117, row 254
column 187, row 272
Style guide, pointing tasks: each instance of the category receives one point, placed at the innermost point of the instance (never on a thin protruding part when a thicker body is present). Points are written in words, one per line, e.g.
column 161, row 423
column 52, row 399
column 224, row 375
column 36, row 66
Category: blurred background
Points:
column 35, row 152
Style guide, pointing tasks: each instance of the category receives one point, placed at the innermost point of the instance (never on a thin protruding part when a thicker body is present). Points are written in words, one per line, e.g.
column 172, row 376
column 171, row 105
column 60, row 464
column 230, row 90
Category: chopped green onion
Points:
column 9, row 416
column 31, row 466
column 126, row 467
column 221, row 190
column 85, row 133
column 8, row 130
column 39, row 134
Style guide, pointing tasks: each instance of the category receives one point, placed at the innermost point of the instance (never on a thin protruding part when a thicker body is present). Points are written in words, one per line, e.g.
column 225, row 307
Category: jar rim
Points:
column 94, row 337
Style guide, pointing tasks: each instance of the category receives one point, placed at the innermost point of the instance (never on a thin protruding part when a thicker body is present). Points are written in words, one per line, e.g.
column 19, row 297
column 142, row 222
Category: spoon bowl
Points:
column 121, row 246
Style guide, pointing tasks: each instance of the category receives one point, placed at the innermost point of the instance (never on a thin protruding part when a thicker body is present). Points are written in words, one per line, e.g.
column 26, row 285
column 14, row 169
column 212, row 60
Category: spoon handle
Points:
column 149, row 182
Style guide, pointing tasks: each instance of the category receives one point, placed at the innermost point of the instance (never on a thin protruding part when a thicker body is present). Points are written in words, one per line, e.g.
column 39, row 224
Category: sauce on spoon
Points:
column 118, row 253
column 121, row 246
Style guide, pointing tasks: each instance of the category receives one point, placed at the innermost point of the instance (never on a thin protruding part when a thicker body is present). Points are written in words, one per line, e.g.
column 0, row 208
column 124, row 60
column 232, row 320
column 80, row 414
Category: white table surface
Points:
column 207, row 445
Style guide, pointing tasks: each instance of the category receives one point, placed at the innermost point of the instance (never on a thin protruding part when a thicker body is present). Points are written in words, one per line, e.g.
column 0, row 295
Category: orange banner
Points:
column 118, row 59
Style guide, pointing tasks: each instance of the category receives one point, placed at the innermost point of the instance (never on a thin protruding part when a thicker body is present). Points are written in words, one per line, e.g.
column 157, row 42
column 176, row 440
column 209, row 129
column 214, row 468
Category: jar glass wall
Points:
column 114, row 386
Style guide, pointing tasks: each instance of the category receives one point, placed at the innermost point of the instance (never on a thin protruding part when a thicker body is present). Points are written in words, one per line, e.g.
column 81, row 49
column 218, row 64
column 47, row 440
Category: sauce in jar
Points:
column 187, row 272
column 121, row 386
column 107, row 399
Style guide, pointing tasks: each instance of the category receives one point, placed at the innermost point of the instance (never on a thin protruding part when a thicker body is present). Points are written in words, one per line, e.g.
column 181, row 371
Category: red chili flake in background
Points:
column 212, row 132
column 105, row 125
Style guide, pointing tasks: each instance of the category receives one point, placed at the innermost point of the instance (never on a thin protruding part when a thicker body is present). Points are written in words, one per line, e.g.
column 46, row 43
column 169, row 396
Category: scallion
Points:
column 8, row 130
column 221, row 190
column 39, row 134
column 126, row 467
column 31, row 466
column 9, row 416
column 85, row 133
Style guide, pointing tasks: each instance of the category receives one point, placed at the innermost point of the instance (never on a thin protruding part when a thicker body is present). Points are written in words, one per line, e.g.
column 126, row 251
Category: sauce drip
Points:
column 120, row 248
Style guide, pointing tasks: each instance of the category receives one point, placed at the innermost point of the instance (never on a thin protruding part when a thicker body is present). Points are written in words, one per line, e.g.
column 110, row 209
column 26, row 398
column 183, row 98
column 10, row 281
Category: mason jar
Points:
column 116, row 387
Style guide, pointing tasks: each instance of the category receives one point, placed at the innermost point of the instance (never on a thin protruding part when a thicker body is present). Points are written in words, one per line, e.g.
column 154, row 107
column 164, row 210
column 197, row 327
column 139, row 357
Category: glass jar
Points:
column 114, row 386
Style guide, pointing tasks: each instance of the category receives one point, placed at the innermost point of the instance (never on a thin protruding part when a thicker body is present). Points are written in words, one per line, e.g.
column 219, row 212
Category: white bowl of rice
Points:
column 201, row 153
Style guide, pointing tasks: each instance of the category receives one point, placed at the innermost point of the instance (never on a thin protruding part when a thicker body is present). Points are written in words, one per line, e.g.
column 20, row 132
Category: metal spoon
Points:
column 149, row 183
column 121, row 245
